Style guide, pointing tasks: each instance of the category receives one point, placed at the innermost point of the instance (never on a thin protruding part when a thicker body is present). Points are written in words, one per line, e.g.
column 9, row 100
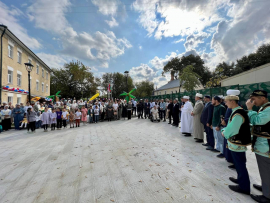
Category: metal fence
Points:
column 245, row 91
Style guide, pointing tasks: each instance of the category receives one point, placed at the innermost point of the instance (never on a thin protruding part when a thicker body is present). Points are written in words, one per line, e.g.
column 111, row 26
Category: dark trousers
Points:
column 227, row 152
column 53, row 126
column 176, row 119
column 129, row 114
column 264, row 168
column 64, row 123
column 38, row 124
column 134, row 110
column 59, row 122
column 140, row 113
column 239, row 160
column 32, row 125
column 6, row 124
column 170, row 116
column 209, row 136
column 162, row 115
column 102, row 115
column 45, row 126
column 146, row 112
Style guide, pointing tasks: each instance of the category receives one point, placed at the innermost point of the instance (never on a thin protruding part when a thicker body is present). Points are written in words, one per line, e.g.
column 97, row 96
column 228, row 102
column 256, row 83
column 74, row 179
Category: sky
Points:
column 139, row 36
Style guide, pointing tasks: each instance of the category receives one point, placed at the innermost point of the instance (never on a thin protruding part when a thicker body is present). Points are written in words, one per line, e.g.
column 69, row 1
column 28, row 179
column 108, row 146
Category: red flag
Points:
column 109, row 88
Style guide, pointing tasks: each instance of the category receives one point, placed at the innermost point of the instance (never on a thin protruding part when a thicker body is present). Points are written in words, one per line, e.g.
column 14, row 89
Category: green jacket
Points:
column 219, row 111
column 261, row 146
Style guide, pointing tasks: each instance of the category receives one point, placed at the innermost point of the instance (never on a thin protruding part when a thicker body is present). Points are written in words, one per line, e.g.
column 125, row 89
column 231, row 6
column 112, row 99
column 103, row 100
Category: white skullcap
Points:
column 199, row 95
column 186, row 97
column 233, row 92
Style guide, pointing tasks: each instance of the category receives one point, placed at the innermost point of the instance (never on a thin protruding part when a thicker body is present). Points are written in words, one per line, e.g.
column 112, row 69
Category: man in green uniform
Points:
column 238, row 135
column 261, row 141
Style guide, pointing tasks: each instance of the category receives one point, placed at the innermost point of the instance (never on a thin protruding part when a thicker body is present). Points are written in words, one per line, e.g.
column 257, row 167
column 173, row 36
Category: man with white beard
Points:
column 186, row 118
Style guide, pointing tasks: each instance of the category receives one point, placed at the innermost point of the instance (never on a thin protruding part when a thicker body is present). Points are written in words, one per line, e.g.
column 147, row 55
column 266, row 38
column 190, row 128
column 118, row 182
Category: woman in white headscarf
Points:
column 6, row 122
column 74, row 106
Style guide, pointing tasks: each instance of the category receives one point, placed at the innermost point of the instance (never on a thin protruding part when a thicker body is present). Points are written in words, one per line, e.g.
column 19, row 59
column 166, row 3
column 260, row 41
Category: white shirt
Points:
column 78, row 115
column 64, row 114
column 96, row 112
column 115, row 106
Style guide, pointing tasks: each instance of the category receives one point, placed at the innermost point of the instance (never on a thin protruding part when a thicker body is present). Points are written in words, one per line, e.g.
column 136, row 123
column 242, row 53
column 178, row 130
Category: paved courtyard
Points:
column 124, row 161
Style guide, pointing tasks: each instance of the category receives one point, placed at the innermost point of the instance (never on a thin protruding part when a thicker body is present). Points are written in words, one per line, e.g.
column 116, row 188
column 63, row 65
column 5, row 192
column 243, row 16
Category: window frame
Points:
column 43, row 72
column 11, row 99
column 37, row 85
column 19, row 55
column 42, row 87
column 10, row 51
column 11, row 77
column 19, row 79
column 37, row 69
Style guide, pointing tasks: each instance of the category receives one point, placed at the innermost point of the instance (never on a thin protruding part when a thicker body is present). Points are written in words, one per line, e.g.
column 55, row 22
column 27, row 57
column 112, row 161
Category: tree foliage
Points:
column 189, row 79
column 176, row 66
column 74, row 80
column 144, row 89
column 118, row 82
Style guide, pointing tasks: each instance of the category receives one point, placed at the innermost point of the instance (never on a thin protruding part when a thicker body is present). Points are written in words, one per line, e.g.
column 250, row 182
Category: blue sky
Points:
column 140, row 36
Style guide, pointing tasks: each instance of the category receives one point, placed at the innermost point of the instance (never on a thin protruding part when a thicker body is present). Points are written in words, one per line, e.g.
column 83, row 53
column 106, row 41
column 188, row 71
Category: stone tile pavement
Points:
column 123, row 161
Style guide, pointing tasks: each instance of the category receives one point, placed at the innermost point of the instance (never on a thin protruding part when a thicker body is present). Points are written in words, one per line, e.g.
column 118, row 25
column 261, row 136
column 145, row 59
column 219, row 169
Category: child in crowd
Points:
column 59, row 118
column 64, row 117
column 53, row 117
column 38, row 121
column 45, row 118
column 90, row 113
column 78, row 118
column 23, row 122
column 96, row 114
column 71, row 118
column 31, row 119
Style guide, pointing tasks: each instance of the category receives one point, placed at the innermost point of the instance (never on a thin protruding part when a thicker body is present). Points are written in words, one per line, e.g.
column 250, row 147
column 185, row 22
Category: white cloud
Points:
column 178, row 17
column 194, row 40
column 107, row 7
column 178, row 41
column 10, row 16
column 98, row 47
column 53, row 61
column 112, row 23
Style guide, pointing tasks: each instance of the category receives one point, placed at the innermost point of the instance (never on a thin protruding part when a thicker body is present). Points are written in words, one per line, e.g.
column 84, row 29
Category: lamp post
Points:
column 29, row 68
column 126, row 74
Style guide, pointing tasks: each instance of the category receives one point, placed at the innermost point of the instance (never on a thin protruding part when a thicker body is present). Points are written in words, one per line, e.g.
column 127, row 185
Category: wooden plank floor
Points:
column 122, row 161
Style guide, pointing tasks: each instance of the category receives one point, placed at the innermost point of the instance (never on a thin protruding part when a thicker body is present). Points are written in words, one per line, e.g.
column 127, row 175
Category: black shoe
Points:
column 187, row 135
column 206, row 145
column 260, row 198
column 214, row 150
column 234, row 180
column 209, row 148
column 236, row 188
column 199, row 140
column 258, row 187
column 231, row 167
column 195, row 138
column 221, row 156
column 164, row 121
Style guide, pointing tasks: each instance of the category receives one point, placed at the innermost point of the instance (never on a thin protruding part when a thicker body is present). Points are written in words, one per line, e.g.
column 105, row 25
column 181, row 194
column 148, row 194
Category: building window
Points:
column 47, row 88
column 37, row 69
column 10, row 76
column 47, row 75
column 19, row 99
column 19, row 57
column 10, row 51
column 10, row 99
column 37, row 84
column 19, row 80
column 42, row 87
column 42, row 72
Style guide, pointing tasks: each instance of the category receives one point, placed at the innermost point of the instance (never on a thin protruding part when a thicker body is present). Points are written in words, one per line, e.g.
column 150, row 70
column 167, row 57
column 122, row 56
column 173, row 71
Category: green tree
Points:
column 74, row 80
column 189, row 79
column 218, row 75
column 176, row 66
column 118, row 83
column 144, row 89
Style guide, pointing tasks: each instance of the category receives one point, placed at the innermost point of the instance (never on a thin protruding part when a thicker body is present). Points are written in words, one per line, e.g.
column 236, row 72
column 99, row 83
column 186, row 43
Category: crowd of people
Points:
column 225, row 122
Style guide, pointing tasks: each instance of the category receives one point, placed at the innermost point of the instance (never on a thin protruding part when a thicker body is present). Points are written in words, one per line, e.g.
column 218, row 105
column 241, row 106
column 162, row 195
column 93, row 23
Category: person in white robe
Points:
column 154, row 112
column 198, row 131
column 186, row 118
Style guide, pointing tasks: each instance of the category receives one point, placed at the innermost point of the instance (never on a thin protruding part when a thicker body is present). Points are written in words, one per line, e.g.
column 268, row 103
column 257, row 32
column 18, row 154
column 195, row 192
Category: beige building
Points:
column 14, row 74
column 255, row 75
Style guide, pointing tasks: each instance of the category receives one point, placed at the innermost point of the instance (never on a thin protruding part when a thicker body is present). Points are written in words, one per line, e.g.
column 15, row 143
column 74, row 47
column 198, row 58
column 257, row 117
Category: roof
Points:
column 169, row 85
column 13, row 36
